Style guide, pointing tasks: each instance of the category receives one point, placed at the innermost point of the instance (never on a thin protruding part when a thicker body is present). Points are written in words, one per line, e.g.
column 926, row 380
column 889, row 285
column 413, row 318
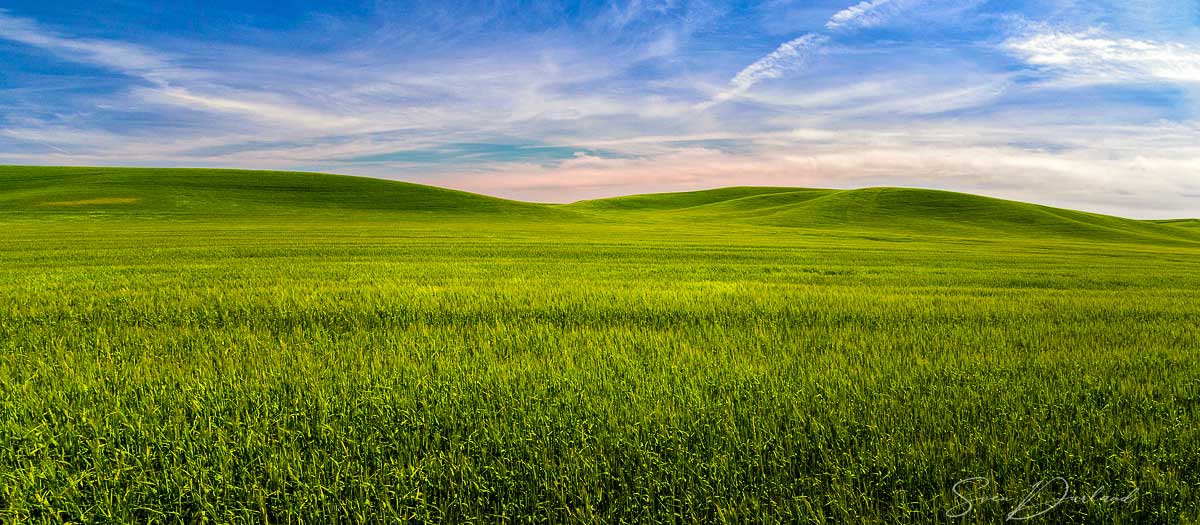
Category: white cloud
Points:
column 118, row 56
column 916, row 93
column 863, row 14
column 789, row 56
column 786, row 57
column 1093, row 58
column 934, row 99
column 795, row 54
column 159, row 70
column 268, row 111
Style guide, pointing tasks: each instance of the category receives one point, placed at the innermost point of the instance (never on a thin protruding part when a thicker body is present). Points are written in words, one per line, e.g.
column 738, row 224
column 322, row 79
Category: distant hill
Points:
column 232, row 193
column 897, row 210
column 211, row 194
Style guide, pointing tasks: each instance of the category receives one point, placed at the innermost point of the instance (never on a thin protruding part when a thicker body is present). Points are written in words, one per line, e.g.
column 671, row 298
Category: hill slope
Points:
column 897, row 210
column 227, row 193
column 1193, row 224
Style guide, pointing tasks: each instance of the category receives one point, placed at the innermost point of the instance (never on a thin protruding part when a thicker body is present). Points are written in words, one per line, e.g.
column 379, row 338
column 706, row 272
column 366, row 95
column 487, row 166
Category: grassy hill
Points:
column 184, row 193
column 656, row 202
column 211, row 194
column 898, row 210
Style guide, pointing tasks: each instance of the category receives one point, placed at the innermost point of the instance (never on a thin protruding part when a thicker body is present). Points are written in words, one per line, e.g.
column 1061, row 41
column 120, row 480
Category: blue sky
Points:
column 1084, row 104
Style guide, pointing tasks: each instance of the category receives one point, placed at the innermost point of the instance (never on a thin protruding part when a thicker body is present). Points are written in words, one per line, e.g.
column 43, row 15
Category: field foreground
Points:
column 218, row 346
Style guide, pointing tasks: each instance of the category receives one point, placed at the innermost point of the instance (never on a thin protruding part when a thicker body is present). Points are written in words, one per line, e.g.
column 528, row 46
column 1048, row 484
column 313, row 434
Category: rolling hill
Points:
column 199, row 193
column 210, row 194
column 899, row 210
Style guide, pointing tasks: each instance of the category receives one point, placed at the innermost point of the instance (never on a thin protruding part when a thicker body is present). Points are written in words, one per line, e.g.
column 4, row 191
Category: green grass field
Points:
column 262, row 347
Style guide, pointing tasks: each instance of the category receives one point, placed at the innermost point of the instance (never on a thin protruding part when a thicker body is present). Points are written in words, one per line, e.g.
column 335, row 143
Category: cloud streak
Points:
column 1091, row 57
column 117, row 56
column 795, row 54
column 789, row 56
column 862, row 14
column 167, row 78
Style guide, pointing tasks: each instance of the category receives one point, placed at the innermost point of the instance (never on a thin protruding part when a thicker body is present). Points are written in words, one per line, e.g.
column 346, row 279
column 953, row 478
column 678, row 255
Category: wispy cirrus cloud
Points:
column 167, row 79
column 795, row 54
column 789, row 56
column 1092, row 57
column 863, row 14
column 119, row 56
column 248, row 107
